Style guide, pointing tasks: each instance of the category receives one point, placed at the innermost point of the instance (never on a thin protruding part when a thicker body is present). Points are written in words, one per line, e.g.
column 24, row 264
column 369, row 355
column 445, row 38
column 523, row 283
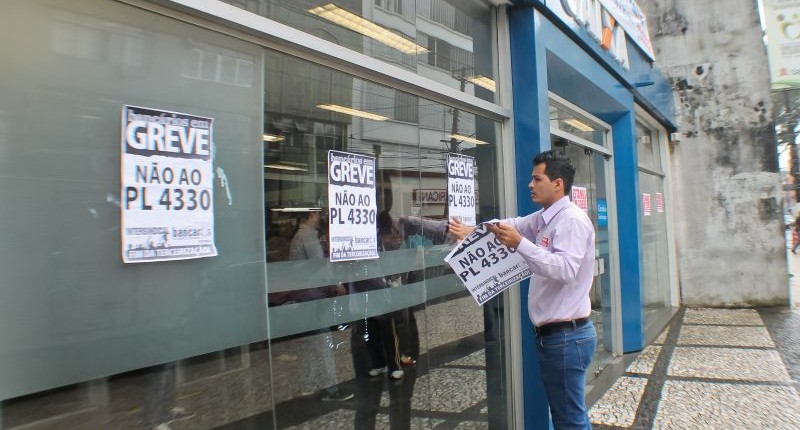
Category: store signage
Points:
column 429, row 197
column 631, row 18
column 461, row 188
column 646, row 205
column 580, row 197
column 607, row 22
column 485, row 265
column 167, row 186
column 353, row 207
column 602, row 213
column 783, row 33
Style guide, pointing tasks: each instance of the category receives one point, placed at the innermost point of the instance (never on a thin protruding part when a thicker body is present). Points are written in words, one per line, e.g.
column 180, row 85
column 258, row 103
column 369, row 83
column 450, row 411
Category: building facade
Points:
column 266, row 331
column 716, row 59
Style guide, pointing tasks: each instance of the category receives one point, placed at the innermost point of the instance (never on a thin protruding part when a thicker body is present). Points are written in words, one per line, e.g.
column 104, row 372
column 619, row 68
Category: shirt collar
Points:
column 554, row 209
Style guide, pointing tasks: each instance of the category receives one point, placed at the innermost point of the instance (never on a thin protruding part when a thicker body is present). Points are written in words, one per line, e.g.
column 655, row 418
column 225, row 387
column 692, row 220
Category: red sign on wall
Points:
column 580, row 197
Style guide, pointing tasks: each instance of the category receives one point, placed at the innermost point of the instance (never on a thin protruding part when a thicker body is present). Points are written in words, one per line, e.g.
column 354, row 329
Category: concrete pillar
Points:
column 728, row 218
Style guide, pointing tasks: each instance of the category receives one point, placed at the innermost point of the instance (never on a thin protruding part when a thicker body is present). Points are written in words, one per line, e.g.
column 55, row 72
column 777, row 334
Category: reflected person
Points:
column 318, row 364
column 375, row 344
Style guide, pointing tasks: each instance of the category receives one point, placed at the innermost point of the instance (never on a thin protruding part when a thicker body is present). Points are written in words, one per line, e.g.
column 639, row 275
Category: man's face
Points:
column 544, row 191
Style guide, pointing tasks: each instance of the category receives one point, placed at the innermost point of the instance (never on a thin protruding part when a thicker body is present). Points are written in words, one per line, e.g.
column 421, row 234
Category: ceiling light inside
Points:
column 354, row 112
column 348, row 20
column 468, row 139
column 484, row 81
column 296, row 209
column 272, row 138
column 285, row 167
column 578, row 124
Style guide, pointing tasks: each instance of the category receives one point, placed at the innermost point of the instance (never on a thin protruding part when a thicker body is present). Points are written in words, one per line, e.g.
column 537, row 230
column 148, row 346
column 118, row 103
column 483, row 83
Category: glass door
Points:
column 591, row 178
column 585, row 140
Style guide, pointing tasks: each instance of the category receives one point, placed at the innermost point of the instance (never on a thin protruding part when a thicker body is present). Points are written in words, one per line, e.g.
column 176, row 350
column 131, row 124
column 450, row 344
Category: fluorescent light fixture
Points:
column 468, row 139
column 272, row 138
column 296, row 209
column 285, row 167
column 354, row 112
column 578, row 124
column 348, row 20
column 484, row 81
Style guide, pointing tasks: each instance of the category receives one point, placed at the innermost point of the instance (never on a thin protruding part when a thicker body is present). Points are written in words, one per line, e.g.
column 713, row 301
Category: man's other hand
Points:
column 507, row 234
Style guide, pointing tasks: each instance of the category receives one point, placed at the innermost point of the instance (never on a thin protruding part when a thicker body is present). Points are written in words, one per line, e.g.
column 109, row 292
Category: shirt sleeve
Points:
column 570, row 244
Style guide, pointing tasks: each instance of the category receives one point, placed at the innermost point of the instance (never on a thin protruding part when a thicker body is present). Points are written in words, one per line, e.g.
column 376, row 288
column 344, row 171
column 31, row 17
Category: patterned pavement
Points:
column 711, row 369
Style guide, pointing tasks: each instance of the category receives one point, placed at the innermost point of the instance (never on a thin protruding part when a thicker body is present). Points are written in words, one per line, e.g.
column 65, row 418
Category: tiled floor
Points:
column 710, row 369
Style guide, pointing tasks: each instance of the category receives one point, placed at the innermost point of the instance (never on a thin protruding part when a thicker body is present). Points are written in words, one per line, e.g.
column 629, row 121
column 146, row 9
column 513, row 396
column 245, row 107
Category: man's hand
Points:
column 458, row 228
column 507, row 234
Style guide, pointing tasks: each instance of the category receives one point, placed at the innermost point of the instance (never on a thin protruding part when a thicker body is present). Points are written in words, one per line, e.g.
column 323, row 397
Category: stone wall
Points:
column 726, row 187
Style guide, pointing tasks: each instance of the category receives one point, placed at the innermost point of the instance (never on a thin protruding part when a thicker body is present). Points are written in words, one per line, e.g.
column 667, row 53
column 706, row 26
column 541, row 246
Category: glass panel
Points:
column 347, row 329
column 72, row 312
column 655, row 268
column 590, row 174
column 648, row 147
column 445, row 40
column 568, row 121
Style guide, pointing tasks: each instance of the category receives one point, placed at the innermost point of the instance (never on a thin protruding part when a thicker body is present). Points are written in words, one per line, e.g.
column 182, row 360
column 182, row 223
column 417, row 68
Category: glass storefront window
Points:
column 447, row 41
column 647, row 147
column 258, row 336
column 348, row 326
column 653, row 235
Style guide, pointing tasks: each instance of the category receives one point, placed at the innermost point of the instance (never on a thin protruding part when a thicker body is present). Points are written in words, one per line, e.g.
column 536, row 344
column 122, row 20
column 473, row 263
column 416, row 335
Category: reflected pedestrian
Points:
column 318, row 364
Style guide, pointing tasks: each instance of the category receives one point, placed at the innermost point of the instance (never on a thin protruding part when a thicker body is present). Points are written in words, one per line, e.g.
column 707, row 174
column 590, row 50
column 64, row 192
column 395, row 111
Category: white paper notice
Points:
column 167, row 186
column 646, row 205
column 486, row 266
column 461, row 188
column 353, row 209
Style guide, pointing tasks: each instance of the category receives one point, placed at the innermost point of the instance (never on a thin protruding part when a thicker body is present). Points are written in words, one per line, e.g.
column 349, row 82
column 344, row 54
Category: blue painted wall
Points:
column 644, row 80
column 543, row 58
column 532, row 135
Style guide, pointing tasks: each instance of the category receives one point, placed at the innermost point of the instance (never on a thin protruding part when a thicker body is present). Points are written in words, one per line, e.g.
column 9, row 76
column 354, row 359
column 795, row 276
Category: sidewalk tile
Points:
column 727, row 363
column 722, row 317
column 705, row 405
column 618, row 405
column 645, row 361
column 726, row 336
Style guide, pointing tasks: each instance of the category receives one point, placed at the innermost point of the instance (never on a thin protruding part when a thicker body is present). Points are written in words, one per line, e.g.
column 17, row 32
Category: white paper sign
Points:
column 485, row 265
column 461, row 188
column 646, row 205
column 167, row 186
column 353, row 207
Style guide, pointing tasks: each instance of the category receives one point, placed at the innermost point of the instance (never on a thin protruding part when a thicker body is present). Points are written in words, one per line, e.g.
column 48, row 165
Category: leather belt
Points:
column 554, row 327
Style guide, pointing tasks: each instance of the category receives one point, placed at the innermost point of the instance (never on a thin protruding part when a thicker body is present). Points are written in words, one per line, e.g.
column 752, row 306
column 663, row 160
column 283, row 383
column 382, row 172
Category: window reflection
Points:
column 372, row 327
column 445, row 40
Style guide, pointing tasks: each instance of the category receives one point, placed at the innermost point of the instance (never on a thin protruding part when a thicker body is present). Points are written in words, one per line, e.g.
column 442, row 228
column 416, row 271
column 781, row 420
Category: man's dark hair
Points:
column 557, row 166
